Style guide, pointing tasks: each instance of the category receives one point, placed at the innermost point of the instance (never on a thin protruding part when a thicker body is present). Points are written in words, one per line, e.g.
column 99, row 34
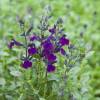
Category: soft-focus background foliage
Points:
column 80, row 16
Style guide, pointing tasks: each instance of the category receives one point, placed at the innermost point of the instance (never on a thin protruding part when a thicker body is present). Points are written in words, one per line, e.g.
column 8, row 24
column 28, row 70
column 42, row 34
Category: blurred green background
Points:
column 81, row 16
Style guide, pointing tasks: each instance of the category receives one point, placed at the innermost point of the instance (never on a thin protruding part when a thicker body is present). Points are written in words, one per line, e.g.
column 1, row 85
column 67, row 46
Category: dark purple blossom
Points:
column 53, row 30
column 26, row 64
column 45, row 52
column 58, row 48
column 63, row 41
column 17, row 43
column 51, row 57
column 14, row 42
column 47, row 45
column 51, row 68
column 32, row 38
column 51, row 37
column 11, row 44
column 32, row 51
column 63, row 52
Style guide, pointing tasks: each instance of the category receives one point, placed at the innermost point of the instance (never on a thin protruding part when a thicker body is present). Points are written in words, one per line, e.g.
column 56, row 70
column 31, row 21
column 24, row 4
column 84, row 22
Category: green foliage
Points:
column 82, row 81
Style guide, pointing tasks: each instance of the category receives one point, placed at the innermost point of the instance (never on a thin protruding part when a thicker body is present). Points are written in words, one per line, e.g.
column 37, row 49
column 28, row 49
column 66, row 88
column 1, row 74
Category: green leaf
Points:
column 89, row 54
column 2, row 81
column 2, row 53
column 42, row 99
column 9, row 97
column 16, row 73
column 53, row 77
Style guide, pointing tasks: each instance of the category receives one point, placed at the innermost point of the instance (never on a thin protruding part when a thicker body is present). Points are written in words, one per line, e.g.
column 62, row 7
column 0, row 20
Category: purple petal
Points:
column 63, row 41
column 51, row 58
column 17, row 43
column 62, row 51
column 32, row 51
column 52, row 30
column 51, row 37
column 26, row 64
column 45, row 52
column 51, row 68
column 32, row 38
column 47, row 45
column 11, row 44
column 58, row 47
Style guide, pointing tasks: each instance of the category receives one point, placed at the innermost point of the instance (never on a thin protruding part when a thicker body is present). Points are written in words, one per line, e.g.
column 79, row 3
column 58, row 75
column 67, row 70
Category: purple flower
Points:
column 51, row 68
column 47, row 45
column 45, row 52
column 51, row 57
column 17, row 43
column 53, row 30
column 32, row 38
column 11, row 44
column 63, row 52
column 63, row 41
column 14, row 42
column 58, row 48
column 51, row 37
column 32, row 51
column 26, row 64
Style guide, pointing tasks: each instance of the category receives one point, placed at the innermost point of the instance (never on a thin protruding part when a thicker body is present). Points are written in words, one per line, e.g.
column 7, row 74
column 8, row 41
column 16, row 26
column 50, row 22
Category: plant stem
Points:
column 26, row 45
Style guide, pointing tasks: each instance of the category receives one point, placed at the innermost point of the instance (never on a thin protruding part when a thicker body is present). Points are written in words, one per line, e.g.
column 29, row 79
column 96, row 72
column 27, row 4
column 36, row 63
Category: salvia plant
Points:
column 46, row 52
